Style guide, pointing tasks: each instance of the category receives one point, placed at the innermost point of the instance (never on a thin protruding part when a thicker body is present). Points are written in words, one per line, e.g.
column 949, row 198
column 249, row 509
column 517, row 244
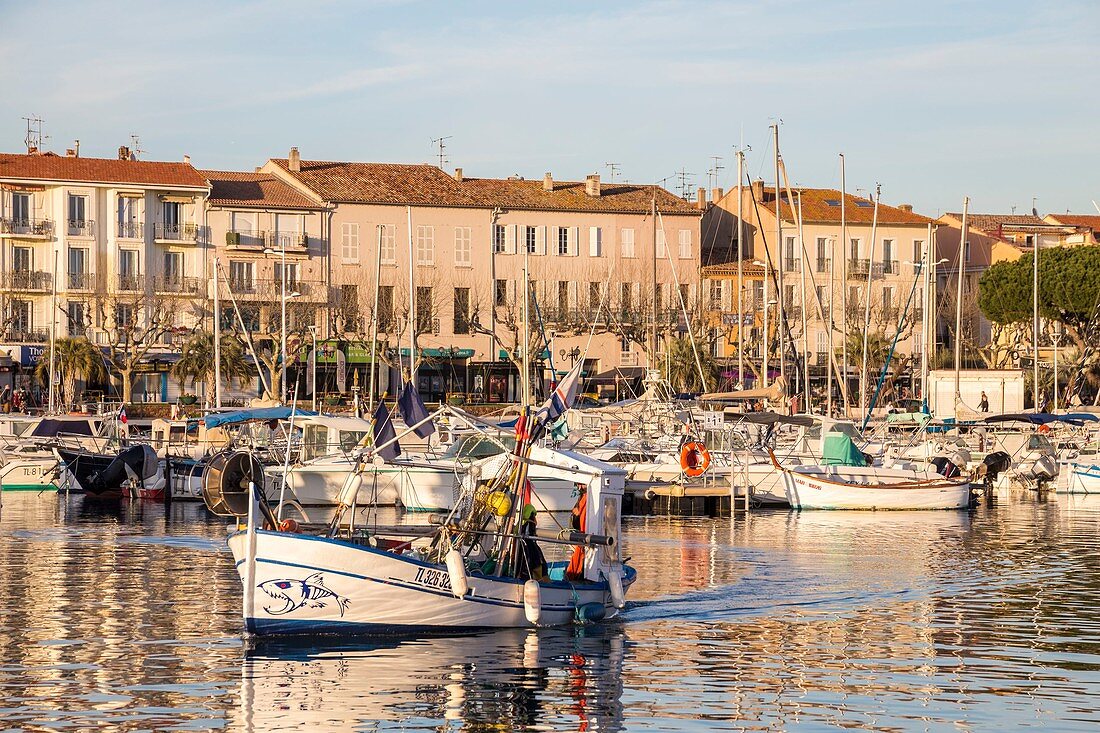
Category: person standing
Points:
column 984, row 404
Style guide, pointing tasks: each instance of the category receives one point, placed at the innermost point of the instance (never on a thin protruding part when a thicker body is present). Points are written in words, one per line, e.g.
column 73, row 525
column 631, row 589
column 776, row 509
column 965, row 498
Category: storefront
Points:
column 340, row 365
column 441, row 372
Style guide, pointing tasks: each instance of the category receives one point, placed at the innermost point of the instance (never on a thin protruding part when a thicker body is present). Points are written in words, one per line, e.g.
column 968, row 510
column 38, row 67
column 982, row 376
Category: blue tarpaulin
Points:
column 261, row 413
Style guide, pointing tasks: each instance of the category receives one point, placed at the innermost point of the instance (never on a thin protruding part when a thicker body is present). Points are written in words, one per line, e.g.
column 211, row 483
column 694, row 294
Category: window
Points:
column 129, row 225
column 822, row 340
column 385, row 308
column 463, row 244
column 291, row 276
column 918, row 254
column 865, row 204
column 888, row 304
column 22, row 259
column 78, row 267
column 243, row 223
column 854, row 292
column 170, row 216
column 129, row 269
column 530, row 238
column 250, row 316
column 823, row 297
column 348, row 307
column 822, row 254
column 241, row 277
column 888, row 255
column 685, row 244
column 21, row 209
column 659, row 297
column 349, row 242
column 966, row 252
column 425, row 245
column 77, row 314
column 853, row 251
column 500, row 292
column 595, row 242
column 789, row 249
column 563, row 298
column 78, row 206
column 499, row 239
column 788, row 296
column 21, row 316
column 288, row 223
column 625, row 299
column 832, row 202
column 124, row 315
column 626, row 241
column 424, row 309
column 594, row 296
column 462, row 311
column 563, row 241
column 662, row 245
column 173, row 267
column 387, row 244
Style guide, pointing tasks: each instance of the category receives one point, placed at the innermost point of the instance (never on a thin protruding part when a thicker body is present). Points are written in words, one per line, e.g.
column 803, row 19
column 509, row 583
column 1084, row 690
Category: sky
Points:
column 933, row 100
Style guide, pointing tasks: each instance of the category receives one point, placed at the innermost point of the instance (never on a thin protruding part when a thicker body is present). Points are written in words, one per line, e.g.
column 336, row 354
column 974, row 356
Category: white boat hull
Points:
column 30, row 474
column 846, row 487
column 1082, row 480
column 307, row 584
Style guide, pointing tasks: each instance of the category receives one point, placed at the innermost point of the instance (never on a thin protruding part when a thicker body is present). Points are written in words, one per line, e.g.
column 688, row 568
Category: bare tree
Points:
column 136, row 323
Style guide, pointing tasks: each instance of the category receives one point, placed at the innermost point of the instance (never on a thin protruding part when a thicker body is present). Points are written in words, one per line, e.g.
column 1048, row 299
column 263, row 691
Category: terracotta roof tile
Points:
column 995, row 224
column 49, row 167
column 817, row 210
column 1091, row 221
column 427, row 185
column 244, row 189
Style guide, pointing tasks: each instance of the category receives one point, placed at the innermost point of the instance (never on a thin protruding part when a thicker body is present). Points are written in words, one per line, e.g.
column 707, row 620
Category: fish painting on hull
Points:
column 295, row 594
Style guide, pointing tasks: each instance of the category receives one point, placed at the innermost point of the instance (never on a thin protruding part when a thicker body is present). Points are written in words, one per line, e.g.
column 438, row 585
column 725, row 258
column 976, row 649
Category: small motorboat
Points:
column 135, row 472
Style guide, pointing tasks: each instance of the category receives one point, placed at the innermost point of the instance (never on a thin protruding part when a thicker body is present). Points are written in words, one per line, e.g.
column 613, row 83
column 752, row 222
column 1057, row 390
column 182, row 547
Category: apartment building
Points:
column 108, row 239
column 465, row 241
column 825, row 263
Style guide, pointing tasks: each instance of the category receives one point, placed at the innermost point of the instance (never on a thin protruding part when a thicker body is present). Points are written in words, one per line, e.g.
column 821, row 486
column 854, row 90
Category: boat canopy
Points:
column 260, row 413
column 1040, row 418
column 837, row 449
column 49, row 427
column 774, row 418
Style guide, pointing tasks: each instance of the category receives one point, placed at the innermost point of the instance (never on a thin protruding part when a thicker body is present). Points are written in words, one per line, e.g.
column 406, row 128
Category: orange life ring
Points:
column 694, row 458
column 1044, row 429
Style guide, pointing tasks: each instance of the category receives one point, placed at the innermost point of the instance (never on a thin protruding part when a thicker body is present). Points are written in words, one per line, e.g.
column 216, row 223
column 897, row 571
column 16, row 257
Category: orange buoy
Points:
column 694, row 458
column 289, row 525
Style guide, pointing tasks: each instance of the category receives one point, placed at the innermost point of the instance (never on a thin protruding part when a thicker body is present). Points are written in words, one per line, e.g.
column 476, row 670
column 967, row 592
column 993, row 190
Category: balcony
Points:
column 131, row 230
column 821, row 358
column 81, row 282
column 131, row 283
column 30, row 228
column 18, row 335
column 245, row 239
column 793, row 312
column 891, row 267
column 792, row 264
column 290, row 241
column 80, row 228
column 175, row 232
column 177, row 285
column 28, row 281
column 859, row 268
column 821, row 265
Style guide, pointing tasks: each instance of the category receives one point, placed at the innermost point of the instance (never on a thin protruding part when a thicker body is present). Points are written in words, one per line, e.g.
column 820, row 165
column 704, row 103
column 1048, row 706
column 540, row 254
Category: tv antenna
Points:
column 441, row 143
column 712, row 172
column 614, row 167
column 135, row 145
column 684, row 183
column 34, row 138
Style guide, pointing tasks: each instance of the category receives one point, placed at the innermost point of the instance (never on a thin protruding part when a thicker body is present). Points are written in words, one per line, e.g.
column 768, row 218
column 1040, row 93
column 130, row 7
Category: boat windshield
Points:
column 351, row 439
column 1039, row 442
column 479, row 446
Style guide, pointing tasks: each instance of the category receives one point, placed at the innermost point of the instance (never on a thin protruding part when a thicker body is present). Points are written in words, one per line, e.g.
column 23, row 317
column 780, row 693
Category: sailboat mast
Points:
column 1035, row 319
column 805, row 333
column 926, row 316
column 373, row 329
column 412, row 300
column 53, row 339
column 844, row 289
column 781, row 321
column 218, row 341
column 863, row 376
column 958, row 302
column 740, row 273
column 526, row 381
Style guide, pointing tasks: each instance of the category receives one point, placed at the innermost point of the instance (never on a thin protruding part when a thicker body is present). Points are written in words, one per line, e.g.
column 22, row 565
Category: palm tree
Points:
column 197, row 361
column 681, row 370
column 75, row 359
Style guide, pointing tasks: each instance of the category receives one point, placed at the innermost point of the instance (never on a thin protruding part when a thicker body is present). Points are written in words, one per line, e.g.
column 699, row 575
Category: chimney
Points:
column 716, row 194
column 70, row 153
column 187, row 159
column 758, row 190
column 548, row 182
column 294, row 161
column 123, row 152
column 458, row 175
column 701, row 198
column 907, row 208
column 76, row 148
column 592, row 184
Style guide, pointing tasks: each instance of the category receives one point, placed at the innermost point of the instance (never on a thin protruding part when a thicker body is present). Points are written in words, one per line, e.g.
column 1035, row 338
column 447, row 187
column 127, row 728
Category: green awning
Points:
column 442, row 353
column 355, row 352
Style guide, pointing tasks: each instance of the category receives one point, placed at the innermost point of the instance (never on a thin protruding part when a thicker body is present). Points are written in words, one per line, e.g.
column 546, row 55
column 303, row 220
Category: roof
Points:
column 427, row 185
column 51, row 167
column 1092, row 221
column 995, row 223
column 822, row 205
column 244, row 189
column 749, row 268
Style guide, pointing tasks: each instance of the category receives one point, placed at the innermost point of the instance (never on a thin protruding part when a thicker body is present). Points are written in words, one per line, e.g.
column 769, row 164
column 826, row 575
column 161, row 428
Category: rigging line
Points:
column 683, row 306
column 890, row 354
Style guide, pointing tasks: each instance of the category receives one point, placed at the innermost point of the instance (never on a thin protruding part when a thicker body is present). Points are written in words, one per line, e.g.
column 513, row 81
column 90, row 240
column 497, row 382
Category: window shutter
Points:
column 510, row 234
column 574, row 294
column 595, row 243
column 574, row 237
column 540, row 240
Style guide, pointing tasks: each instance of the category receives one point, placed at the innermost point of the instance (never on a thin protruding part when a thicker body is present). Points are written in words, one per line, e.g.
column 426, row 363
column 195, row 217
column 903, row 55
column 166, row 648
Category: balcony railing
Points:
column 792, row 264
column 28, row 281
column 23, row 227
column 859, row 268
column 891, row 267
column 177, row 285
column 286, row 240
column 176, row 232
column 131, row 283
column 131, row 230
column 84, row 281
column 26, row 335
column 245, row 239
column 241, row 286
column 821, row 265
column 80, row 228
column 794, row 312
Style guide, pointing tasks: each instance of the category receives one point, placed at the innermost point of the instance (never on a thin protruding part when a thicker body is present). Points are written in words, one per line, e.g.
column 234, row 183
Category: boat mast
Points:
column 1035, row 317
column 373, row 330
column 805, row 334
column 844, row 289
column 53, row 338
column 863, row 376
column 525, row 382
column 217, row 342
column 926, row 319
column 740, row 273
column 958, row 304
column 412, row 300
column 781, row 321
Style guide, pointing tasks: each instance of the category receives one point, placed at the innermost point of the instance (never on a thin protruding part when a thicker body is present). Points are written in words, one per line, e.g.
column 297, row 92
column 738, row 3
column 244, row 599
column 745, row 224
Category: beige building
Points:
column 113, row 238
column 466, row 241
column 836, row 273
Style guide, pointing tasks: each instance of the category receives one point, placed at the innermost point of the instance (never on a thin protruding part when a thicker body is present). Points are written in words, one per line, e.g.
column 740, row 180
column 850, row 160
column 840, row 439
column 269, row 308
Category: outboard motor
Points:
column 1045, row 469
column 136, row 464
column 995, row 464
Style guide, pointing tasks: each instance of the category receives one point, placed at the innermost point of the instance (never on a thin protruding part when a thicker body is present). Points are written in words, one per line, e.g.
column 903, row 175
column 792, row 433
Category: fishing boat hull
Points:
column 318, row 483
column 30, row 474
column 1082, row 479
column 852, row 487
column 185, row 477
column 304, row 584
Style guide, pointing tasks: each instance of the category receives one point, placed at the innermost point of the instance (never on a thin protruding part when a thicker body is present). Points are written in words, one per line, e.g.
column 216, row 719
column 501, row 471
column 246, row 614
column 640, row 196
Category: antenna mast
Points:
column 712, row 172
column 614, row 168
column 34, row 138
column 684, row 183
column 441, row 143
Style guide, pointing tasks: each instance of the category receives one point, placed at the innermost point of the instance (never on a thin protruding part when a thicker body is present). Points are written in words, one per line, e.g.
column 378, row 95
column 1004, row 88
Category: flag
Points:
column 560, row 400
column 384, row 433
column 413, row 410
column 122, row 414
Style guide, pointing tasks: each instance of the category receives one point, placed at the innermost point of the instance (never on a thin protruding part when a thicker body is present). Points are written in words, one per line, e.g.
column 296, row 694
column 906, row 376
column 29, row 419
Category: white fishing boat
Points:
column 27, row 458
column 457, row 577
column 1083, row 479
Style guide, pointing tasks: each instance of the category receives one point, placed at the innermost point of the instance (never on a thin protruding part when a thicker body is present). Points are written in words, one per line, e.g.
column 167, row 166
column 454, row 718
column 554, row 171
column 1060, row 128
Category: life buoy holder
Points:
column 694, row 458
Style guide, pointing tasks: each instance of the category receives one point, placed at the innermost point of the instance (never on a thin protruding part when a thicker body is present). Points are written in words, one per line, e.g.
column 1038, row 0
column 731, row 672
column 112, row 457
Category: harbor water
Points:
column 126, row 616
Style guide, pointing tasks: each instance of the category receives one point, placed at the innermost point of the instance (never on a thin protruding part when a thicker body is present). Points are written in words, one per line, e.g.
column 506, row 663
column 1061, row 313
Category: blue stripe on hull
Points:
column 291, row 627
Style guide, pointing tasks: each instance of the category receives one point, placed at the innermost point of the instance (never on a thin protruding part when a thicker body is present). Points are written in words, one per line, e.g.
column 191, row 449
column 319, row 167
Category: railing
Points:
column 794, row 312
column 822, row 265
column 19, row 334
column 286, row 240
column 859, row 268
column 628, row 358
column 176, row 232
column 27, row 227
column 28, row 280
column 131, row 283
column 80, row 228
column 792, row 264
column 821, row 358
column 891, row 267
column 245, row 239
column 81, row 281
column 240, row 286
column 177, row 285
column 131, row 230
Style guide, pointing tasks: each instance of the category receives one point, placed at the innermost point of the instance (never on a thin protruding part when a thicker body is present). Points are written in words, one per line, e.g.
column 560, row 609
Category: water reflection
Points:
column 568, row 679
